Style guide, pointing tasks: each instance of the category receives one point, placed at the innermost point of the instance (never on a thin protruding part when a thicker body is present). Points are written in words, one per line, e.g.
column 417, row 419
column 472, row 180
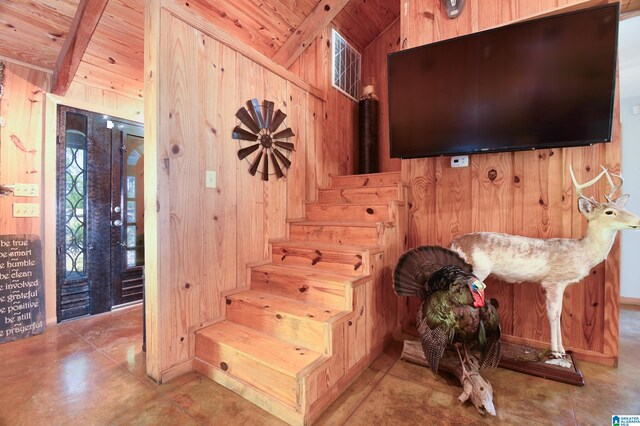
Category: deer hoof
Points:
column 557, row 354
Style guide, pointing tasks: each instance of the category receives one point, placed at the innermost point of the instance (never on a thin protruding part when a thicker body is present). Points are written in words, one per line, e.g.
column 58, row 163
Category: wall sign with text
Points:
column 21, row 287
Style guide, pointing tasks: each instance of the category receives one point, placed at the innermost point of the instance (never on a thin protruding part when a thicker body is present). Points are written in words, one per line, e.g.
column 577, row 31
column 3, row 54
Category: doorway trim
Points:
column 49, row 186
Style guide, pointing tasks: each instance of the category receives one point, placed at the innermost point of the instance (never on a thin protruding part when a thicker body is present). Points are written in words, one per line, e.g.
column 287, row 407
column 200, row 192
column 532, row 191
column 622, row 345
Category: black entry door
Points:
column 127, row 250
column 93, row 215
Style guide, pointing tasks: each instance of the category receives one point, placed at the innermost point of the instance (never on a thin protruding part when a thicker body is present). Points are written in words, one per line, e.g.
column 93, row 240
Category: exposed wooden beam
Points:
column 308, row 30
column 84, row 24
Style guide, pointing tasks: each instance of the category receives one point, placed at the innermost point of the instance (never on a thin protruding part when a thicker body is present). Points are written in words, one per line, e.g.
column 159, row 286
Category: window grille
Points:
column 346, row 67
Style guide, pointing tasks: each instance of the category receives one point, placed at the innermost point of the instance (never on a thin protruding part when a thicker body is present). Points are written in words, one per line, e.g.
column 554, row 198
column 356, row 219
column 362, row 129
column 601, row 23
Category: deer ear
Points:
column 586, row 205
column 621, row 201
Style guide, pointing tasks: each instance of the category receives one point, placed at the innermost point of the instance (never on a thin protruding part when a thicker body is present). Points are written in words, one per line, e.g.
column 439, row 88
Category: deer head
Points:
column 610, row 214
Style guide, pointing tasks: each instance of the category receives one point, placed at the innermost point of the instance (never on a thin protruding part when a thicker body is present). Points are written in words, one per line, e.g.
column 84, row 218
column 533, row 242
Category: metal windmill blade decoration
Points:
column 265, row 140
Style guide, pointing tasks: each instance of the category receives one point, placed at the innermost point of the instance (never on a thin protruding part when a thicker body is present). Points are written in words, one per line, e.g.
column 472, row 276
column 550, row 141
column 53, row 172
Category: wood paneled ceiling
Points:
column 33, row 31
column 629, row 8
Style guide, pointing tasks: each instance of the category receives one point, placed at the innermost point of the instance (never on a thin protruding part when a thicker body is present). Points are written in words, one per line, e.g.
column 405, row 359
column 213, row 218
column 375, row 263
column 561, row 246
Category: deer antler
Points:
column 614, row 187
column 579, row 187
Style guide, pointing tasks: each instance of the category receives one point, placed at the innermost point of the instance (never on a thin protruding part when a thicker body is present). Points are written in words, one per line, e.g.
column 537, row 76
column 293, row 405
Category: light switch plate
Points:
column 26, row 190
column 26, row 210
column 210, row 179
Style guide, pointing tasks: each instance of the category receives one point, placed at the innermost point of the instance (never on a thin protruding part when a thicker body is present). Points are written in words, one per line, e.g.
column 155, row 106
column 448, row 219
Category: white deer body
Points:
column 554, row 263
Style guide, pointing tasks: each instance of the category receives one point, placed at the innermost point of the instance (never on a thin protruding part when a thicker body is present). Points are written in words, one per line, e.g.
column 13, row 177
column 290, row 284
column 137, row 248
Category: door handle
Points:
column 117, row 222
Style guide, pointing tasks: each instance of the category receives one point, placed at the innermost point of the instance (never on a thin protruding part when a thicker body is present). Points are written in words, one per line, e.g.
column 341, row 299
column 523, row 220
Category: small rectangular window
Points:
column 346, row 67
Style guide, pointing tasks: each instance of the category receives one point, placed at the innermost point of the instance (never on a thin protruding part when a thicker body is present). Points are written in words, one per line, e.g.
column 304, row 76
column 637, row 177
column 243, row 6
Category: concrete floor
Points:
column 91, row 371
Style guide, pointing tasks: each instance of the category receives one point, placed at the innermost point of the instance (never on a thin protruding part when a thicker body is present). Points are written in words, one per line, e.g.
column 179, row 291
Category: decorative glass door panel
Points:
column 128, row 252
column 100, row 223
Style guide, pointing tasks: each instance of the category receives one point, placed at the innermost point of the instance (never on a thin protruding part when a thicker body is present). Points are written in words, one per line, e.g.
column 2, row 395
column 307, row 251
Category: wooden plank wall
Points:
column 339, row 117
column 374, row 72
column 207, row 236
column 22, row 107
column 532, row 195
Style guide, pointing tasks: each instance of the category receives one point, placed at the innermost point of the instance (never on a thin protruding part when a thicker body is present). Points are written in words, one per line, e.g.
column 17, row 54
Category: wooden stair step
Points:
column 372, row 179
column 337, row 232
column 305, row 285
column 360, row 212
column 341, row 258
column 296, row 322
column 261, row 361
column 365, row 194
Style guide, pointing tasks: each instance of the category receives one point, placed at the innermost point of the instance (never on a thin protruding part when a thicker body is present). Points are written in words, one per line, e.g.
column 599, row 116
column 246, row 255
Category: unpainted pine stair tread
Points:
column 305, row 272
column 284, row 357
column 278, row 305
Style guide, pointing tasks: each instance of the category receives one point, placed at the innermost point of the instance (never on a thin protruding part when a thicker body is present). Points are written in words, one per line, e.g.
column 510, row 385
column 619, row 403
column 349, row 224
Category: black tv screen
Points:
column 544, row 83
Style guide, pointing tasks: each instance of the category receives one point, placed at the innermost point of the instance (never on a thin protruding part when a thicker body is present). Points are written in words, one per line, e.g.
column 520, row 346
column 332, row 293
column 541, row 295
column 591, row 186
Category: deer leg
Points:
column 554, row 309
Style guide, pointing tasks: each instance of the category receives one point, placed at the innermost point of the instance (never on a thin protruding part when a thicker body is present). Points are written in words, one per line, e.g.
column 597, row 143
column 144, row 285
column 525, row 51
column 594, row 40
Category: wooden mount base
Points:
column 536, row 362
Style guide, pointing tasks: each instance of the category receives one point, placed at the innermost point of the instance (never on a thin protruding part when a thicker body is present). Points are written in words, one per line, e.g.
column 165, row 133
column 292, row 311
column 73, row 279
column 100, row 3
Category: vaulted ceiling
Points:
column 33, row 32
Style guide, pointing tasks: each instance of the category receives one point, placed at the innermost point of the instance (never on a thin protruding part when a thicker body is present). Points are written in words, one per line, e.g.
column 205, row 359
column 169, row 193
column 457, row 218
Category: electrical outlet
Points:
column 26, row 210
column 26, row 190
column 210, row 179
column 460, row 161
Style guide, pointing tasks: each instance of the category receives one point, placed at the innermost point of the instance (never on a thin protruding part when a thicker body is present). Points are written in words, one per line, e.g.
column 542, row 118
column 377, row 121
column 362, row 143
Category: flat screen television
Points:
column 543, row 83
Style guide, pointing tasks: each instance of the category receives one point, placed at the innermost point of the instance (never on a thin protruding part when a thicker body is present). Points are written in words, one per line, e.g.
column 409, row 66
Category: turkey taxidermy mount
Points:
column 262, row 133
column 453, row 315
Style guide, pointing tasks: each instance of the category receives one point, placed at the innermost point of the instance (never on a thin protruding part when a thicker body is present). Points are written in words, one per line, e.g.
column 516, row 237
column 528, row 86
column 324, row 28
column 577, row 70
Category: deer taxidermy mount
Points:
column 554, row 263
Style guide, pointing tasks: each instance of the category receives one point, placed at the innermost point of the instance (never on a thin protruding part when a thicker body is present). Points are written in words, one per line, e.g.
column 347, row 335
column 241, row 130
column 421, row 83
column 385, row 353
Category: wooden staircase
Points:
column 316, row 316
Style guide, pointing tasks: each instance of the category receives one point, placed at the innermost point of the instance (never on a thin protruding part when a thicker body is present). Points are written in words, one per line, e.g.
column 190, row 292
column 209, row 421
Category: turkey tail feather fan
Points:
column 415, row 267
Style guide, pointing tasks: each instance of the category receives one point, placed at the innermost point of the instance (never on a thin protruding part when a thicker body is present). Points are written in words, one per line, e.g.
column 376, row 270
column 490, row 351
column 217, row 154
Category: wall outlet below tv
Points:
column 460, row 161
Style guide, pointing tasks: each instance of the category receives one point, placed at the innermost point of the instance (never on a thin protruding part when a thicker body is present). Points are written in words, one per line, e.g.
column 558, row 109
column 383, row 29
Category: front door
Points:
column 100, row 230
column 127, row 250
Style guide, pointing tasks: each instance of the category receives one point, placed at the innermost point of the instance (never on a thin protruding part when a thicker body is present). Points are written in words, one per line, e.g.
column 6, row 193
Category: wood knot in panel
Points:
column 224, row 366
column 327, row 8
column 370, row 210
column 516, row 179
column 278, row 316
column 303, row 289
column 492, row 175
